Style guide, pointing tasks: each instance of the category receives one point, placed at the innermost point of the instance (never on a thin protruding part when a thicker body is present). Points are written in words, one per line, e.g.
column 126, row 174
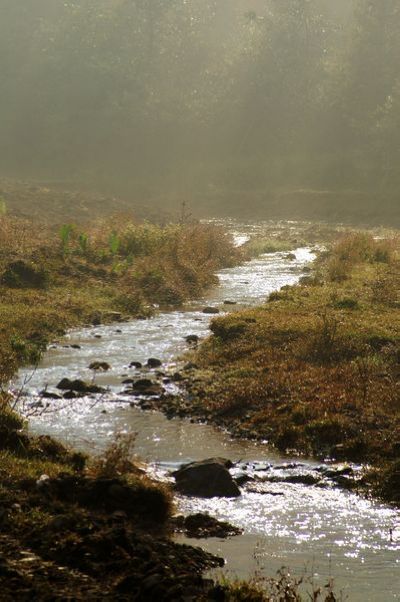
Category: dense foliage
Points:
column 188, row 99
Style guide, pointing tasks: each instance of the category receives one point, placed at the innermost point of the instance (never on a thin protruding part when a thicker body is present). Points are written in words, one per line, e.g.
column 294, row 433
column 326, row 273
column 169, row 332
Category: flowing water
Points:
column 321, row 530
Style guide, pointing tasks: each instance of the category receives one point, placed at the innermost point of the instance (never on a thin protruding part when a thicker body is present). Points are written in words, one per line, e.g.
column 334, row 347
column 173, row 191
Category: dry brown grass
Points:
column 50, row 282
column 318, row 369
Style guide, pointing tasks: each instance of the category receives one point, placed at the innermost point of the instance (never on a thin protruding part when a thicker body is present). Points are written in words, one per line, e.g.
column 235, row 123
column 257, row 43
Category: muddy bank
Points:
column 78, row 536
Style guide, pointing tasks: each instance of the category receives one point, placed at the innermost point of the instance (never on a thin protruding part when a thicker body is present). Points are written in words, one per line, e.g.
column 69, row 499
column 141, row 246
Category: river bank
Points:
column 66, row 532
column 315, row 370
column 285, row 523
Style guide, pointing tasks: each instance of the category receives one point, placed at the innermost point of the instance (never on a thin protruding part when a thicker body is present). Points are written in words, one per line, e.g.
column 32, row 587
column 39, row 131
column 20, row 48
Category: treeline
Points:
column 220, row 100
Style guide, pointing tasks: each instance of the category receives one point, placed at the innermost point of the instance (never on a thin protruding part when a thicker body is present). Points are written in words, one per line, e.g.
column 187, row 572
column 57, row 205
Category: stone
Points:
column 50, row 395
column 79, row 386
column 64, row 384
column 101, row 366
column 203, row 525
column 145, row 387
column 153, row 362
column 192, row 339
column 207, row 478
column 211, row 310
column 137, row 365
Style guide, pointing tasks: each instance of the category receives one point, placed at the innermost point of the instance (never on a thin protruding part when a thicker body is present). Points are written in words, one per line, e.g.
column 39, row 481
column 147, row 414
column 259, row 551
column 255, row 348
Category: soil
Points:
column 77, row 537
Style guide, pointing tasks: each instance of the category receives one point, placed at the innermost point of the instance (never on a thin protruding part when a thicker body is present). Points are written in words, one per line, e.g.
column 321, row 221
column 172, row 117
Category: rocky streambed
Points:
column 297, row 513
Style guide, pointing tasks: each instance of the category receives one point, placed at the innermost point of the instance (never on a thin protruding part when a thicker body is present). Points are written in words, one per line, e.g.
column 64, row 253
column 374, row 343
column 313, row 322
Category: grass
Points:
column 315, row 370
column 283, row 587
column 53, row 279
column 259, row 245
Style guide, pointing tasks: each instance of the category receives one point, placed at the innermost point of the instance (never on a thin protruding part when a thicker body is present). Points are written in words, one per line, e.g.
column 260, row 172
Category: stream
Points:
column 321, row 531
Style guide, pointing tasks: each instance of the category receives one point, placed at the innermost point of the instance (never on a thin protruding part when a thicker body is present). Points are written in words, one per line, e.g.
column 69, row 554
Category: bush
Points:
column 338, row 269
column 9, row 420
column 260, row 246
column 116, row 459
column 228, row 331
column 362, row 246
column 346, row 303
column 391, row 482
column 20, row 274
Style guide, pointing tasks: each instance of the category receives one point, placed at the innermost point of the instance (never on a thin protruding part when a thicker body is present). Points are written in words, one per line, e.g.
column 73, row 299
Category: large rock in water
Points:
column 208, row 478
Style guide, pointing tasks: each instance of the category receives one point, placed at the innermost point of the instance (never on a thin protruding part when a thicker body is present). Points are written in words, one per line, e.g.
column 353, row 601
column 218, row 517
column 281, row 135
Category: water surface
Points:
column 324, row 530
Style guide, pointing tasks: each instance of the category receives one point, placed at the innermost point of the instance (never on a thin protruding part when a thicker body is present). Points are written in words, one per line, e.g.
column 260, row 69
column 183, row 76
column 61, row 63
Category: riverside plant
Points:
column 66, row 231
column 152, row 264
column 316, row 370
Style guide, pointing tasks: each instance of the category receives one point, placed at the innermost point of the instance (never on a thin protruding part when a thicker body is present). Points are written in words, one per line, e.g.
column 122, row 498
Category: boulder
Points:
column 146, row 387
column 211, row 310
column 64, row 384
column 153, row 362
column 78, row 386
column 202, row 525
column 192, row 339
column 49, row 395
column 208, row 478
column 100, row 366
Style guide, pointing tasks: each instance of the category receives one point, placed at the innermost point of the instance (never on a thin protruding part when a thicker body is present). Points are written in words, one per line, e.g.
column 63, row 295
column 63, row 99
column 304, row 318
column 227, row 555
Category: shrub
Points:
column 228, row 330
column 116, row 459
column 338, row 269
column 26, row 352
column 9, row 419
column 362, row 246
column 21, row 274
column 346, row 303
column 131, row 303
column 391, row 482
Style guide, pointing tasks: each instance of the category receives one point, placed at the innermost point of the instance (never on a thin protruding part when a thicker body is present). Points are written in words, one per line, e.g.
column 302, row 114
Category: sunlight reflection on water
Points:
column 332, row 531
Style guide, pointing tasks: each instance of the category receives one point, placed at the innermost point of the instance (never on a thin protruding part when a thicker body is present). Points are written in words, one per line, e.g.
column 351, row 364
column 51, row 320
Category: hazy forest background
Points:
column 223, row 103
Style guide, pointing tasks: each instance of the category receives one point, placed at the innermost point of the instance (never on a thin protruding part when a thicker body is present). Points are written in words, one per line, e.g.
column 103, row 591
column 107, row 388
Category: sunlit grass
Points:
column 316, row 369
column 53, row 279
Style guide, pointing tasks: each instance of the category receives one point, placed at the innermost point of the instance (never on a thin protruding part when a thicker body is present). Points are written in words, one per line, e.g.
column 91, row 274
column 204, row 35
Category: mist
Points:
column 235, row 106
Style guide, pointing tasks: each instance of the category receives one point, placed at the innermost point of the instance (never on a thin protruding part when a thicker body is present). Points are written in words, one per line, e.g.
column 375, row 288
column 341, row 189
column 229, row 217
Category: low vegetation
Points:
column 52, row 279
column 79, row 530
column 316, row 369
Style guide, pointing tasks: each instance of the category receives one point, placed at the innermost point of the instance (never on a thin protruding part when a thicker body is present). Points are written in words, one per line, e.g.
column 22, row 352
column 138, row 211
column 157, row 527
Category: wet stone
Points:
column 153, row 362
column 100, row 366
column 211, row 310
